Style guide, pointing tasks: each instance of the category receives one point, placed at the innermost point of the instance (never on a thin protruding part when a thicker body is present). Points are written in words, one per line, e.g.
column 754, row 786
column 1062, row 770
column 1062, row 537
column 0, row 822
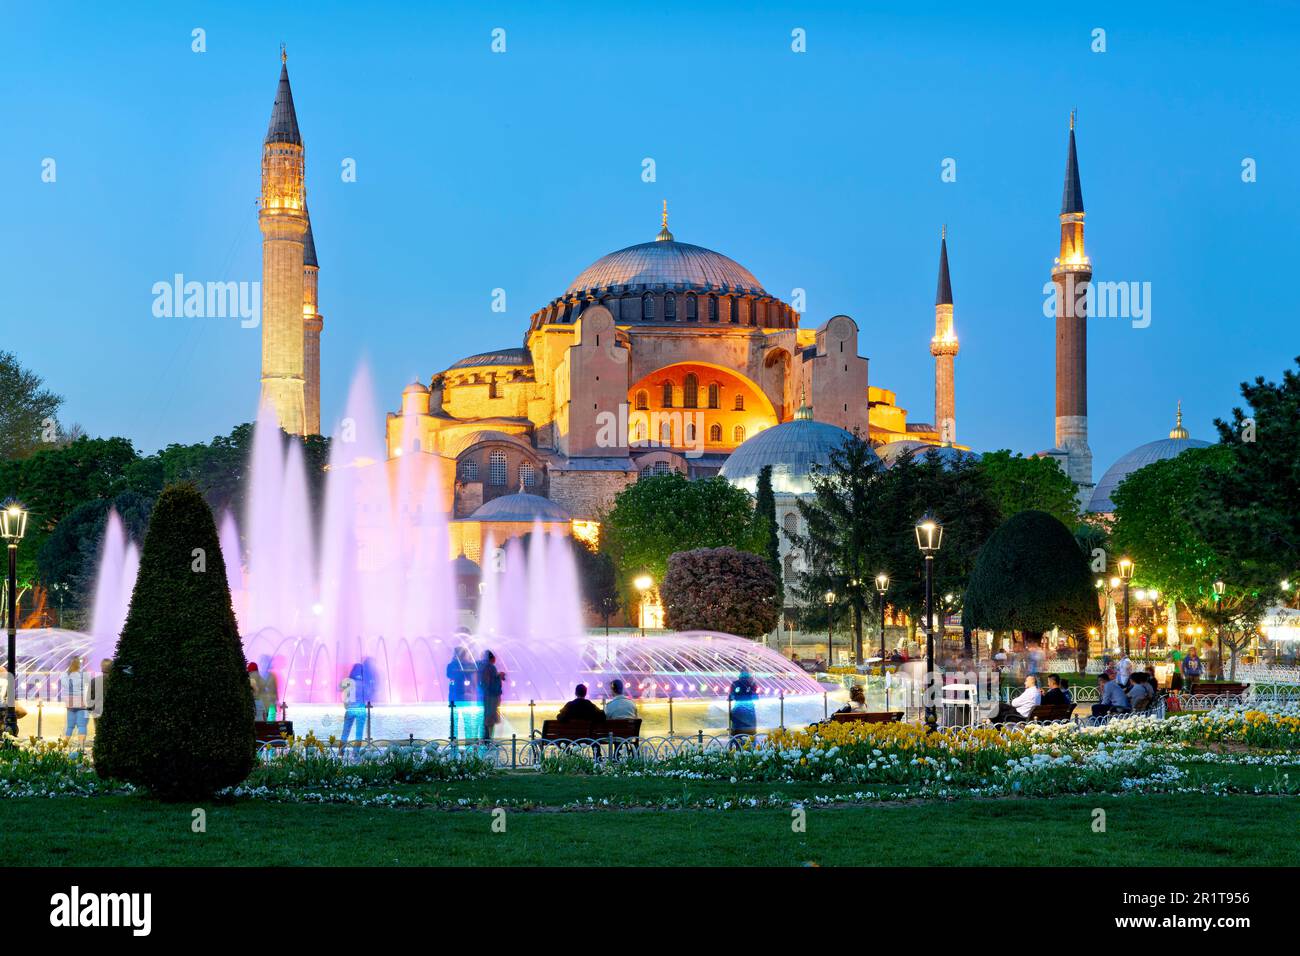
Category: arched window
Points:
column 691, row 392
column 735, row 311
column 740, row 403
column 527, row 474
column 670, row 308
column 692, row 308
column 690, row 433
column 790, row 567
column 715, row 433
column 668, row 395
column 642, row 400
column 738, row 434
column 469, row 470
column 666, row 433
column 639, row 432
column 497, row 468
column 647, row 307
column 713, row 308
column 714, row 393
column 791, row 523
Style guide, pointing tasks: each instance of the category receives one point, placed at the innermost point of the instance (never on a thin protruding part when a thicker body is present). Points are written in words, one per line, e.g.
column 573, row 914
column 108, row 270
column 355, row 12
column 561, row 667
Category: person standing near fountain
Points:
column 462, row 694
column 490, row 683
column 354, row 705
column 74, row 699
column 740, row 702
column 268, row 696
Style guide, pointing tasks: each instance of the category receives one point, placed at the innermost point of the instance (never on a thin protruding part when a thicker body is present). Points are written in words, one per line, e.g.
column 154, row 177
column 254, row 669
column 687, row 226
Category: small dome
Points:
column 1138, row 458
column 464, row 567
column 415, row 387
column 676, row 265
column 892, row 451
column 793, row 449
column 520, row 506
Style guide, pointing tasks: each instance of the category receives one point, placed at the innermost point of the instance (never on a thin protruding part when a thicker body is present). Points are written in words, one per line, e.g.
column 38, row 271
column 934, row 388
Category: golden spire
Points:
column 664, row 234
column 1072, row 112
column 284, row 54
column 803, row 413
column 1178, row 431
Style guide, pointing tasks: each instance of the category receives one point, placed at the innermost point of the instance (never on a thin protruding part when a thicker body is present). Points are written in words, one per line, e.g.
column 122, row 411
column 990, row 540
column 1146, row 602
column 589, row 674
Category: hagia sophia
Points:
column 661, row 356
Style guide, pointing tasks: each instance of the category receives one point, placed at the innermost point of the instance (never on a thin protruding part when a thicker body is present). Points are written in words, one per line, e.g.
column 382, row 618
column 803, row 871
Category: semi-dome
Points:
column 1141, row 456
column 793, row 449
column 509, row 356
column 667, row 262
column 520, row 506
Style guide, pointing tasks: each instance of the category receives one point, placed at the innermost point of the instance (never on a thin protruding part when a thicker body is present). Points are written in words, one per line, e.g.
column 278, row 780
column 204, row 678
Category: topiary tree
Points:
column 178, row 709
column 765, row 527
column 1030, row 576
column 720, row 589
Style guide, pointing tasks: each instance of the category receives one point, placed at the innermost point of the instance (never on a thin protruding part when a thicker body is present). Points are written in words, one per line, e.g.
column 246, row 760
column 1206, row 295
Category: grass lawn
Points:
column 1154, row 829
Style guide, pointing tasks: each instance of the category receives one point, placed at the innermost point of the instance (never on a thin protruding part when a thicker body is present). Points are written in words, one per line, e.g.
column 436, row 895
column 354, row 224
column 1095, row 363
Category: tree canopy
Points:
column 1020, row 484
column 662, row 514
column 1031, row 576
column 28, row 410
column 720, row 589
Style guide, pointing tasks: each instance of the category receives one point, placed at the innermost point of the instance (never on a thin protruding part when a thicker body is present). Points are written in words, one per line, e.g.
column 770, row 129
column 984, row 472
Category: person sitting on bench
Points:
column 1113, row 699
column 580, row 708
column 620, row 706
column 1022, row 705
column 1141, row 695
column 1055, row 694
column 857, row 701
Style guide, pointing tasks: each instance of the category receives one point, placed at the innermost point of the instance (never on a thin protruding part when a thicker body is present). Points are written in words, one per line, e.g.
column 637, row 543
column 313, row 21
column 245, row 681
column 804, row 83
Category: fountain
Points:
column 370, row 581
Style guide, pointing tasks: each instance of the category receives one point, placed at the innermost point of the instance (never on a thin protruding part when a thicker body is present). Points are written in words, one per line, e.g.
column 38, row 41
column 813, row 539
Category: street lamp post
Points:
column 929, row 536
column 643, row 584
column 829, row 598
column 1219, row 590
column 882, row 585
column 13, row 524
column 1126, row 575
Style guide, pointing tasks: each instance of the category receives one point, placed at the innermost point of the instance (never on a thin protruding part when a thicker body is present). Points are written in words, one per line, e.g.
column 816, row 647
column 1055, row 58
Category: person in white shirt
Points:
column 1022, row 705
column 73, row 691
column 1123, row 671
column 620, row 706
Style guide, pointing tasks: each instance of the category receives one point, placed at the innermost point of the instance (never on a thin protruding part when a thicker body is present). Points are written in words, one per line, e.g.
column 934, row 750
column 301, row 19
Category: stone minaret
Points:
column 283, row 220
column 312, row 323
column 944, row 349
column 1071, row 274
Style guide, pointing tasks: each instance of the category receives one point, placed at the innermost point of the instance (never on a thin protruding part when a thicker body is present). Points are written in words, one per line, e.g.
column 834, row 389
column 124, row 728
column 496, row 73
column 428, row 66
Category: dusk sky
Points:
column 817, row 170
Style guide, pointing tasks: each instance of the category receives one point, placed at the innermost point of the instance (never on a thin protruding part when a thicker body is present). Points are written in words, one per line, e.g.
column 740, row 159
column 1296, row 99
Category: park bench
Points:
column 1235, row 688
column 880, row 717
column 624, row 734
column 1044, row 713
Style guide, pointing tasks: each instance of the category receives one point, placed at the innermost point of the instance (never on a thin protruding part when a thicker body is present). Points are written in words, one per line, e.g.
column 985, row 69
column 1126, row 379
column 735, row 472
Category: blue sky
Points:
column 818, row 171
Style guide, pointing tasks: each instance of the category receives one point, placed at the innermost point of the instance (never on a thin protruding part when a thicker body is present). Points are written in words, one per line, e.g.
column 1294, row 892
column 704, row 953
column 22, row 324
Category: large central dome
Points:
column 677, row 265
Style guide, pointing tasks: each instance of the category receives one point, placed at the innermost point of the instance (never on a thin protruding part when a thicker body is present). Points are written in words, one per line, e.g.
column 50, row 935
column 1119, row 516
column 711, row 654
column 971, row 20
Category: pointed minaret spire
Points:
column 1178, row 430
column 283, row 127
column 944, row 294
column 1072, row 195
column 944, row 349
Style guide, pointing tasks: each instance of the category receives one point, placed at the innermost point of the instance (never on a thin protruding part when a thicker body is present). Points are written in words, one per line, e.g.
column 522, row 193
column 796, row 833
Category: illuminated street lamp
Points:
column 882, row 585
column 929, row 537
column 13, row 525
column 1220, row 589
column 1126, row 575
column 643, row 583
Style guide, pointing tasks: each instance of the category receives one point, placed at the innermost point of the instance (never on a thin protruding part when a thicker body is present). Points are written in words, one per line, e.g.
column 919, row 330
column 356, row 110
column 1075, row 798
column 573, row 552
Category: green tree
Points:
column 663, row 514
column 28, row 410
column 178, row 714
column 1030, row 577
column 765, row 526
column 1249, row 513
column 720, row 589
column 70, row 555
column 1155, row 523
column 1030, row 484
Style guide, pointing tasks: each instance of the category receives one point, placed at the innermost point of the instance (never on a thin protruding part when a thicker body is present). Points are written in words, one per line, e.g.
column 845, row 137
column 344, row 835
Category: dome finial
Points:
column 804, row 413
column 664, row 234
column 1178, row 430
column 284, row 54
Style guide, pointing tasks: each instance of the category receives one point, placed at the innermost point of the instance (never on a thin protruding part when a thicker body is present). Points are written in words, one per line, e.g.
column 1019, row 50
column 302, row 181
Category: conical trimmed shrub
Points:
column 178, row 709
column 1030, row 576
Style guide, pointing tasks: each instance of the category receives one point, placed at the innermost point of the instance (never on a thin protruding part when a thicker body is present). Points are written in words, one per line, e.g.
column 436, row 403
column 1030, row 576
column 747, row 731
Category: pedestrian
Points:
column 490, row 684
column 352, row 690
column 95, row 697
column 740, row 703
column 73, row 692
column 268, row 697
